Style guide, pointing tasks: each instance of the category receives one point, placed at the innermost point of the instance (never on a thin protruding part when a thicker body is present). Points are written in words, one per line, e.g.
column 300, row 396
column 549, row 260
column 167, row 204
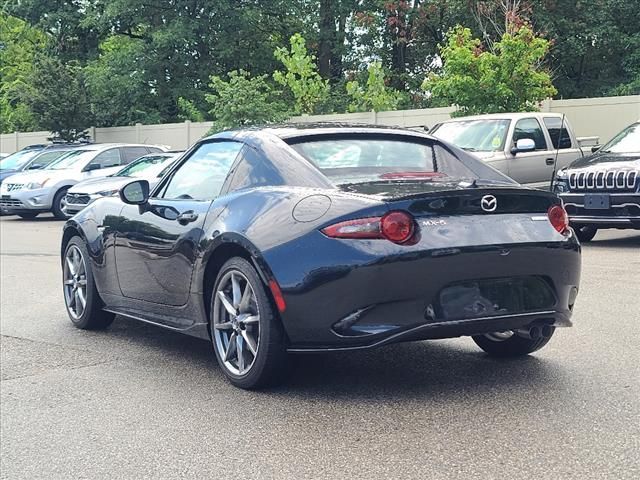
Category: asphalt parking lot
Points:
column 139, row 402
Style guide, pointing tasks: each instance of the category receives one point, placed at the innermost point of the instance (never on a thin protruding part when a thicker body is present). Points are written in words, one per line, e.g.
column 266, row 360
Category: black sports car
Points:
column 316, row 238
column 603, row 190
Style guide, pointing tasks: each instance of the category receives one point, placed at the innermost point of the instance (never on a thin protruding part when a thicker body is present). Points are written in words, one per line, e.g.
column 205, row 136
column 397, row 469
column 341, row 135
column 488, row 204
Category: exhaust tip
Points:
column 547, row 331
column 535, row 332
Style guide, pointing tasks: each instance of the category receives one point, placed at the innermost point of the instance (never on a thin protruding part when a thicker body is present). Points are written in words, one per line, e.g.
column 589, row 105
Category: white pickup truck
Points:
column 523, row 145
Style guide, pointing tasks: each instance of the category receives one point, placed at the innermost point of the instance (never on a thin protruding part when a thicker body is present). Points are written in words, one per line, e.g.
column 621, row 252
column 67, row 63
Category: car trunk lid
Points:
column 450, row 217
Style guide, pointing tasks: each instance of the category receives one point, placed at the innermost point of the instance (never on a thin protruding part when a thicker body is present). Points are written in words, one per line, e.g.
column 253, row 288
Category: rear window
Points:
column 348, row 160
column 558, row 132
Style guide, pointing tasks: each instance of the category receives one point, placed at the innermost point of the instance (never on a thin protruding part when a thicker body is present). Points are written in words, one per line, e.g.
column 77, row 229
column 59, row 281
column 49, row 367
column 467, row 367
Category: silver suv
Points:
column 31, row 193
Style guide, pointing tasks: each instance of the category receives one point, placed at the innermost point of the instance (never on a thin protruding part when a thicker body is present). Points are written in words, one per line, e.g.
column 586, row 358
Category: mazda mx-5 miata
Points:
column 316, row 238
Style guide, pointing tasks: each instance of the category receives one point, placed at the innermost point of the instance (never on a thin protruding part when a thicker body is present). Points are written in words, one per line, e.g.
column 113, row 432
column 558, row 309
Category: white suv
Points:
column 31, row 193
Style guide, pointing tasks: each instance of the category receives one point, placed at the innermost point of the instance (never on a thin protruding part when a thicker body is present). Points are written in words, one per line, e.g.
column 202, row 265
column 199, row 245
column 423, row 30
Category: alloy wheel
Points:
column 75, row 282
column 63, row 206
column 236, row 322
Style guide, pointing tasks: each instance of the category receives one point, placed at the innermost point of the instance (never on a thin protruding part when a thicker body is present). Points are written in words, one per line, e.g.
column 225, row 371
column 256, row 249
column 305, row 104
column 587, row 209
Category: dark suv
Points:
column 603, row 190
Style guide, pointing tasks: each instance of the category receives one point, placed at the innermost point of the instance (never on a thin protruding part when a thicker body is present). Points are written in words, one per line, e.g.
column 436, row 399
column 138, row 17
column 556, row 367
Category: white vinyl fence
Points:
column 601, row 117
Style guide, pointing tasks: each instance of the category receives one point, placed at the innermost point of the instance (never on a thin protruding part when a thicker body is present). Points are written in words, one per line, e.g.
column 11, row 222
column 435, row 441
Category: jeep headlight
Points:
column 560, row 186
column 560, row 183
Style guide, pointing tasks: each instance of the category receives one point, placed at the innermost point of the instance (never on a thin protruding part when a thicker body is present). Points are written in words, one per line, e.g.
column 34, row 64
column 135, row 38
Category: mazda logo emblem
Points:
column 489, row 203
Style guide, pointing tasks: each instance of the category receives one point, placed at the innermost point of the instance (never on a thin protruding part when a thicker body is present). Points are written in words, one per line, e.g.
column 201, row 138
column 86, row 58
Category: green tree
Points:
column 118, row 86
column 301, row 77
column 188, row 111
column 375, row 95
column 595, row 45
column 509, row 79
column 57, row 96
column 19, row 44
column 243, row 100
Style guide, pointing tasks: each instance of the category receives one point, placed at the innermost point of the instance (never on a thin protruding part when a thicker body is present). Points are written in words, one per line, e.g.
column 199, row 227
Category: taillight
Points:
column 558, row 218
column 396, row 226
column 360, row 228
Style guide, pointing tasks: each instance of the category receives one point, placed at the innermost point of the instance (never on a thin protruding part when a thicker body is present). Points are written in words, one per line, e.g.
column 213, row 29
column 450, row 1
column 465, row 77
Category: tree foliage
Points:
column 375, row 95
column 243, row 100
column 138, row 58
column 188, row 111
column 19, row 44
column 509, row 79
column 118, row 86
column 57, row 96
column 301, row 76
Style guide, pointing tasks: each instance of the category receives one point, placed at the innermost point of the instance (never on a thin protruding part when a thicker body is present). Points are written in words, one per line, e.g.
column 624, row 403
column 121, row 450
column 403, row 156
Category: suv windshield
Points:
column 45, row 158
column 474, row 135
column 17, row 160
column 355, row 160
column 627, row 141
column 147, row 167
column 71, row 159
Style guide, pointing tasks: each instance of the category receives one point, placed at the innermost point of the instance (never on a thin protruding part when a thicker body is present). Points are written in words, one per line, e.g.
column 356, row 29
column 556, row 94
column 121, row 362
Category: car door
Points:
column 157, row 244
column 533, row 167
column 562, row 140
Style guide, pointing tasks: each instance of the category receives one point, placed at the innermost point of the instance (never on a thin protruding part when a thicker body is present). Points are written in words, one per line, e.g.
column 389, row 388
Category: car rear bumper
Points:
column 623, row 211
column 341, row 304
column 448, row 329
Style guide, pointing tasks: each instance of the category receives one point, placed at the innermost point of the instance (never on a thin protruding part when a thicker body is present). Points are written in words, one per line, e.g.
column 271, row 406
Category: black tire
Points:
column 93, row 317
column 585, row 233
column 514, row 346
column 56, row 206
column 28, row 216
column 269, row 363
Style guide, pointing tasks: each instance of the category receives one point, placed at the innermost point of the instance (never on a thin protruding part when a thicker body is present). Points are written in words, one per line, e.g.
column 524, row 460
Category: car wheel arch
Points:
column 225, row 248
column 70, row 230
column 63, row 187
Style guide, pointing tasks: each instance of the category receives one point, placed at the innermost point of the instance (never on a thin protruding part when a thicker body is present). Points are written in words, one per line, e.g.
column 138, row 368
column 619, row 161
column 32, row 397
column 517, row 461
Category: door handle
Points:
column 550, row 161
column 187, row 217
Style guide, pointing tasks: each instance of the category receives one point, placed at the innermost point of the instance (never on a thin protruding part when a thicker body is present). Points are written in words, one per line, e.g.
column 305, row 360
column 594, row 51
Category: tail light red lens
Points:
column 558, row 218
column 396, row 226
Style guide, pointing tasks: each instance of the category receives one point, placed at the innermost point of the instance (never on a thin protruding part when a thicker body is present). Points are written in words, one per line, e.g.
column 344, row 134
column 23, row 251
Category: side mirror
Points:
column 595, row 148
column 91, row 167
column 135, row 193
column 523, row 145
column 35, row 166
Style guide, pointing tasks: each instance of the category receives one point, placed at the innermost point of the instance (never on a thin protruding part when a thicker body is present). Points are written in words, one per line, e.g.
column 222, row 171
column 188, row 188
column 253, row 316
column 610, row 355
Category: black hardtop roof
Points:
column 298, row 130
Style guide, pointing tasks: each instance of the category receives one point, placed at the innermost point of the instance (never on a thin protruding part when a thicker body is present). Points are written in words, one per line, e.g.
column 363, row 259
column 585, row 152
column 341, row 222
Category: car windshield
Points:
column 359, row 160
column 627, row 141
column 47, row 157
column 71, row 159
column 474, row 135
column 147, row 167
column 17, row 160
